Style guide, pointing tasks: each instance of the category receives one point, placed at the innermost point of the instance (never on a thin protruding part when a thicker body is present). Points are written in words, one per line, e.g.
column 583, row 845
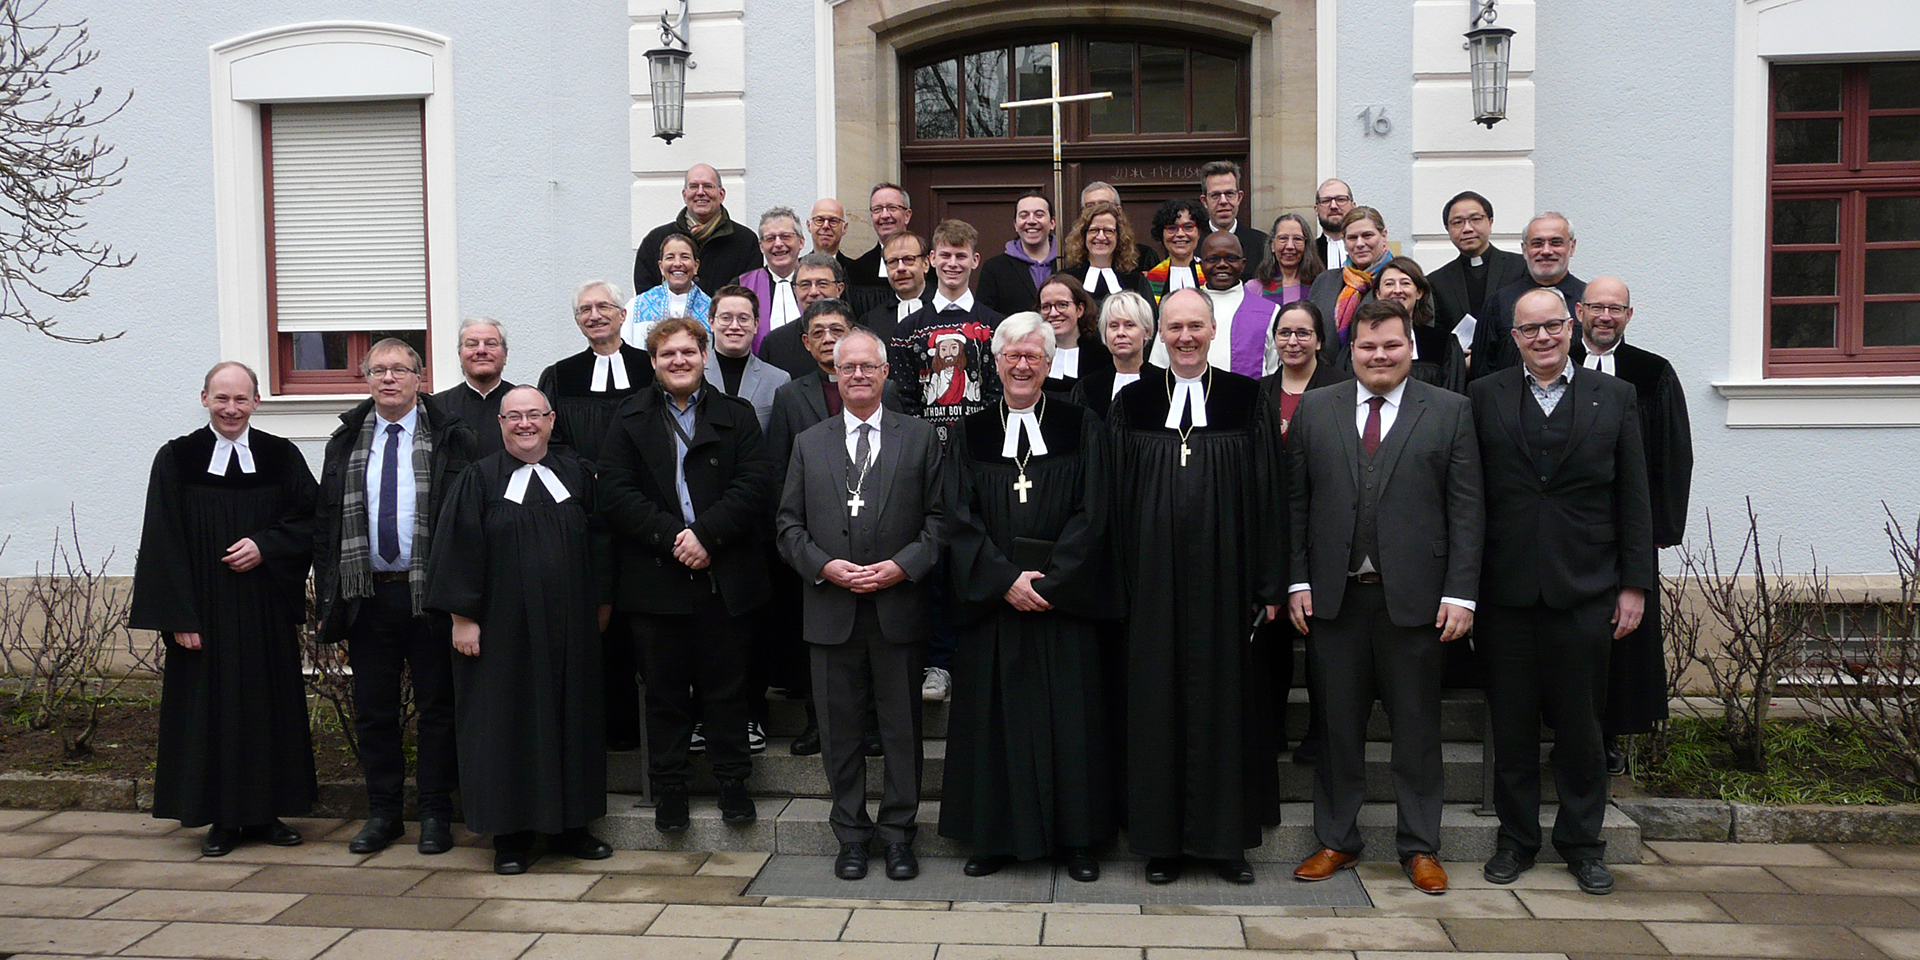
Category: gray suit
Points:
column 757, row 383
column 866, row 648
column 1414, row 509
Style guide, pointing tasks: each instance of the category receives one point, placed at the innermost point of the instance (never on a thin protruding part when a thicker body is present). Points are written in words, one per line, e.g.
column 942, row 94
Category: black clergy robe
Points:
column 1202, row 547
column 1029, row 767
column 527, row 715
column 583, row 414
column 234, row 746
column 480, row 413
column 1637, row 673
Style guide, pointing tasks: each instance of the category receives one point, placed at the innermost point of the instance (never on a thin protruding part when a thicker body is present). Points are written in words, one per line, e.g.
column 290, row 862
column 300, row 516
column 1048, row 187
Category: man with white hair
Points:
column 774, row 285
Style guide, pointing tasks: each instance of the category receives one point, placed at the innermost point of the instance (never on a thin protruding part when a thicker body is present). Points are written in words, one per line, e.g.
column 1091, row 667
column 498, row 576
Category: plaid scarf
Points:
column 720, row 225
column 356, row 550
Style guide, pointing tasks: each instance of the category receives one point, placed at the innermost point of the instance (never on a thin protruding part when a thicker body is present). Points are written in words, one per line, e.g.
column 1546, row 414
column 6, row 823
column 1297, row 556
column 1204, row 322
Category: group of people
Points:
column 1094, row 496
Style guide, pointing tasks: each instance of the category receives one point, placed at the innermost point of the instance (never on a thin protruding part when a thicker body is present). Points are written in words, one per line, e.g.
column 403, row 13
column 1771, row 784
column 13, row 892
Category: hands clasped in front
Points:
column 862, row 578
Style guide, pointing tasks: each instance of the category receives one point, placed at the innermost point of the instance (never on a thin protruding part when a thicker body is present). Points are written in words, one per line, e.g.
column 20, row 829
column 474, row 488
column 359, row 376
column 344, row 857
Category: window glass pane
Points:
column 319, row 351
column 1216, row 93
column 1893, row 139
column 1893, row 218
column 936, row 101
column 1163, row 89
column 1110, row 66
column 986, row 75
column 1893, row 271
column 1814, row 87
column 1033, row 78
column 1892, row 86
column 1806, row 141
column 1803, row 325
column 1806, row 221
column 1892, row 325
column 1804, row 274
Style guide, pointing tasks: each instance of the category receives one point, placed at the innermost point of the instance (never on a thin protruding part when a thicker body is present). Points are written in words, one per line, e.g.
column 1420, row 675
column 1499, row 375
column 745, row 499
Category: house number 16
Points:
column 1374, row 122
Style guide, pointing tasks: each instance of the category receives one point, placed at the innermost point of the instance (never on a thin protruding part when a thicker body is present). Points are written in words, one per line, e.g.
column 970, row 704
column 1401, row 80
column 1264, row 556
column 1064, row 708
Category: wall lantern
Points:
column 1488, row 48
column 667, row 67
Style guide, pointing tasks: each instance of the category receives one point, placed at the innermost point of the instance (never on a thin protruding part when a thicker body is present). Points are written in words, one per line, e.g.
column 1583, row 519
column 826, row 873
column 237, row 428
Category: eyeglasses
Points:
column 516, row 417
column 827, row 222
column 1285, row 334
column 903, row 261
column 1056, row 306
column 1289, row 240
column 1539, row 242
column 734, row 319
column 864, row 369
column 1475, row 219
column 587, row 309
column 1102, row 232
column 381, row 373
column 1552, row 328
column 1024, row 358
column 1183, row 226
column 1223, row 258
column 1223, row 195
column 1336, row 199
column 476, row 344
column 776, row 237
column 1607, row 309
column 879, row 209
column 811, row 284
column 820, row 333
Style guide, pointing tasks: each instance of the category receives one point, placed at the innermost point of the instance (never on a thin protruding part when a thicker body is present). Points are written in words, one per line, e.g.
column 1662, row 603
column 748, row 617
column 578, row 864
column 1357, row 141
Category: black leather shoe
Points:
column 1506, row 866
column 274, row 832
column 376, row 835
column 986, row 866
column 1081, row 865
column 851, row 864
column 735, row 805
column 901, row 864
column 220, row 841
column 577, row 843
column 1163, row 870
column 670, row 811
column 436, row 835
column 513, row 853
column 1592, row 875
column 1616, row 758
column 1237, row 870
column 871, row 746
column 807, row 743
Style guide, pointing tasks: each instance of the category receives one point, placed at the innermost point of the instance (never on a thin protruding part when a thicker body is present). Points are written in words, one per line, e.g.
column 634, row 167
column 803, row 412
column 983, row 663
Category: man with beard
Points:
column 1010, row 282
column 476, row 398
column 726, row 250
column 1241, row 344
column 1331, row 204
column 1548, row 247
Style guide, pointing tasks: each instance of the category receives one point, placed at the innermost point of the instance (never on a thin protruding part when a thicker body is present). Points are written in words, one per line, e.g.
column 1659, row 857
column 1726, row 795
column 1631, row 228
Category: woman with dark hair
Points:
column 1177, row 226
column 1338, row 293
column 1077, row 351
column 1437, row 356
column 1101, row 253
column 1291, row 264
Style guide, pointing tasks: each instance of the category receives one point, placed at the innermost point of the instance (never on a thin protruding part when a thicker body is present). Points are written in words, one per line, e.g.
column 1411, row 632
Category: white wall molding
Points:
column 1451, row 152
column 716, row 111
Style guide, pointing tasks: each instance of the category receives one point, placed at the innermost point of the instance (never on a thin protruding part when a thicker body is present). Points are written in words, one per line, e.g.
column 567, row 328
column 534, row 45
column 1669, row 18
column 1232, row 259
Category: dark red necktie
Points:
column 1371, row 436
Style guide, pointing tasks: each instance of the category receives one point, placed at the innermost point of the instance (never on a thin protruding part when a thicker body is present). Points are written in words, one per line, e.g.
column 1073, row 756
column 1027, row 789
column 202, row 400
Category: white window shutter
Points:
column 349, row 216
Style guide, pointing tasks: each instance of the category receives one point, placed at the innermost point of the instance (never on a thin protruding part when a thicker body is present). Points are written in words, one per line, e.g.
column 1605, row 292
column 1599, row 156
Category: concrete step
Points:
column 799, row 826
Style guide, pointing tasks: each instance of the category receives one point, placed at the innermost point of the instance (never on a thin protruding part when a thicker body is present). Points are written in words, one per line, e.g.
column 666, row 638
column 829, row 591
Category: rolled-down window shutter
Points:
column 349, row 216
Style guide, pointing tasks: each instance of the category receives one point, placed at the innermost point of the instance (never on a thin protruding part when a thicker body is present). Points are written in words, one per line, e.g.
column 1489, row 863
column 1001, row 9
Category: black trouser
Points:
column 386, row 641
column 707, row 650
column 851, row 680
column 1551, row 665
column 618, row 667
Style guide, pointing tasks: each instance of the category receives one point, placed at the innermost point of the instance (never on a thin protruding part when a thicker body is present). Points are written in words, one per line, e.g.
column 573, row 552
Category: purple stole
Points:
column 761, row 283
column 1248, row 351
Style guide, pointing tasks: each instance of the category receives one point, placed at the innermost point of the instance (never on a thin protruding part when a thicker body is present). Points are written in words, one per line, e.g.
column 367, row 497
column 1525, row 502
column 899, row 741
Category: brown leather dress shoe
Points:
column 1426, row 873
column 1323, row 865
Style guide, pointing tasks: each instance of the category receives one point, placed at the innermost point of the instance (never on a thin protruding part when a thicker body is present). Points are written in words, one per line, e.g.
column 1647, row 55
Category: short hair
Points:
column 1130, row 305
column 1380, row 311
column 775, row 213
column 1169, row 214
column 542, row 394
column 1020, row 326
column 1080, row 296
column 918, row 241
column 1486, row 206
column 1307, row 307
column 1565, row 311
column 1323, row 186
column 825, row 261
column 824, row 307
column 1126, row 256
column 1549, row 215
column 1358, row 214
column 613, row 288
column 1423, row 310
column 1099, row 185
column 1035, row 195
column 1206, row 303
column 730, row 290
column 1220, row 168
column 859, row 332
column 693, row 245
column 206, row 382
column 1311, row 265
column 906, row 200
column 461, row 334
column 390, row 343
column 672, row 325
column 956, row 233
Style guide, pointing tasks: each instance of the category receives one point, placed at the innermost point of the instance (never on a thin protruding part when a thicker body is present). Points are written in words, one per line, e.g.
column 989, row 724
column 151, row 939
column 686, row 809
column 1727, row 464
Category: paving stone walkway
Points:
column 124, row 885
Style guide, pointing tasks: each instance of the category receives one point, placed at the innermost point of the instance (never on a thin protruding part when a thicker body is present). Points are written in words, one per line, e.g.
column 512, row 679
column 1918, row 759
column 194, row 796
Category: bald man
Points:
column 727, row 249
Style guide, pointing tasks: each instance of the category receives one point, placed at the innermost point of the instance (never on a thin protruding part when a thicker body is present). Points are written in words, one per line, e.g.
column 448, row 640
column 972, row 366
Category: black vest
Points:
column 1546, row 435
column 1366, row 517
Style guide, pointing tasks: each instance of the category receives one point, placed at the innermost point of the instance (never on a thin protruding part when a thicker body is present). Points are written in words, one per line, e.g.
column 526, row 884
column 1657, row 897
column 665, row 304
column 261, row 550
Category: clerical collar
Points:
column 941, row 303
column 1103, row 279
column 517, row 483
column 906, row 307
column 1189, row 395
column 609, row 365
column 786, row 279
column 1593, row 351
column 1601, row 360
column 225, row 450
column 1233, row 227
column 1180, row 278
column 1476, row 261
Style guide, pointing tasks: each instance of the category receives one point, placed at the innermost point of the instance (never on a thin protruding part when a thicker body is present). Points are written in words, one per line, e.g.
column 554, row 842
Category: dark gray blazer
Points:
column 757, row 383
column 903, row 493
column 1432, row 519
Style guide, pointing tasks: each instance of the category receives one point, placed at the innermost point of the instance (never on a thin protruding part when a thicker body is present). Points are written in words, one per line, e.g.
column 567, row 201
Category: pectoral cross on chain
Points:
column 1022, row 485
column 854, row 503
column 1183, row 453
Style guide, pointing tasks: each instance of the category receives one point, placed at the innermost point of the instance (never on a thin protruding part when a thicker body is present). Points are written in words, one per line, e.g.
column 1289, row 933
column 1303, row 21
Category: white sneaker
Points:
column 696, row 744
column 938, row 685
column 756, row 737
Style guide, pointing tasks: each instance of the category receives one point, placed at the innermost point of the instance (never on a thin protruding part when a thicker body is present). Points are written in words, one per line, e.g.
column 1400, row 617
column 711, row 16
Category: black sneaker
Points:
column 696, row 744
column 670, row 811
column 735, row 805
column 756, row 737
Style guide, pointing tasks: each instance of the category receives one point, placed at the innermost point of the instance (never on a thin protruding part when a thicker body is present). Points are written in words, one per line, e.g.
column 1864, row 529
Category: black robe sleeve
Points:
column 286, row 548
column 1669, row 437
column 1079, row 579
column 162, row 573
column 457, row 570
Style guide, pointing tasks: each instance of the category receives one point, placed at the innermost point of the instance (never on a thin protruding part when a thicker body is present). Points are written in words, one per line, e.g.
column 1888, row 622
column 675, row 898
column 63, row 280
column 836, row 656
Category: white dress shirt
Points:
column 404, row 493
column 853, row 438
column 224, row 451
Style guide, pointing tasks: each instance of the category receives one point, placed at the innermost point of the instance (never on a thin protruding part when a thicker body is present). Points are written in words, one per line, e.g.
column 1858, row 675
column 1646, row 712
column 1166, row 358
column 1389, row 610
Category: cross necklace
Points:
column 1022, row 484
column 1205, row 390
column 854, row 500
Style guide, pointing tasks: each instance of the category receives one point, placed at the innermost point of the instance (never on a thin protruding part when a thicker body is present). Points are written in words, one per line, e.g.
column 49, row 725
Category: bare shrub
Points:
column 1872, row 673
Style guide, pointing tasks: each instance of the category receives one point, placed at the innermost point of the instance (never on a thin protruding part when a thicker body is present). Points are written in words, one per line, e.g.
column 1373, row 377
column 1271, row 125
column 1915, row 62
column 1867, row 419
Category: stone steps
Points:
column 799, row 826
